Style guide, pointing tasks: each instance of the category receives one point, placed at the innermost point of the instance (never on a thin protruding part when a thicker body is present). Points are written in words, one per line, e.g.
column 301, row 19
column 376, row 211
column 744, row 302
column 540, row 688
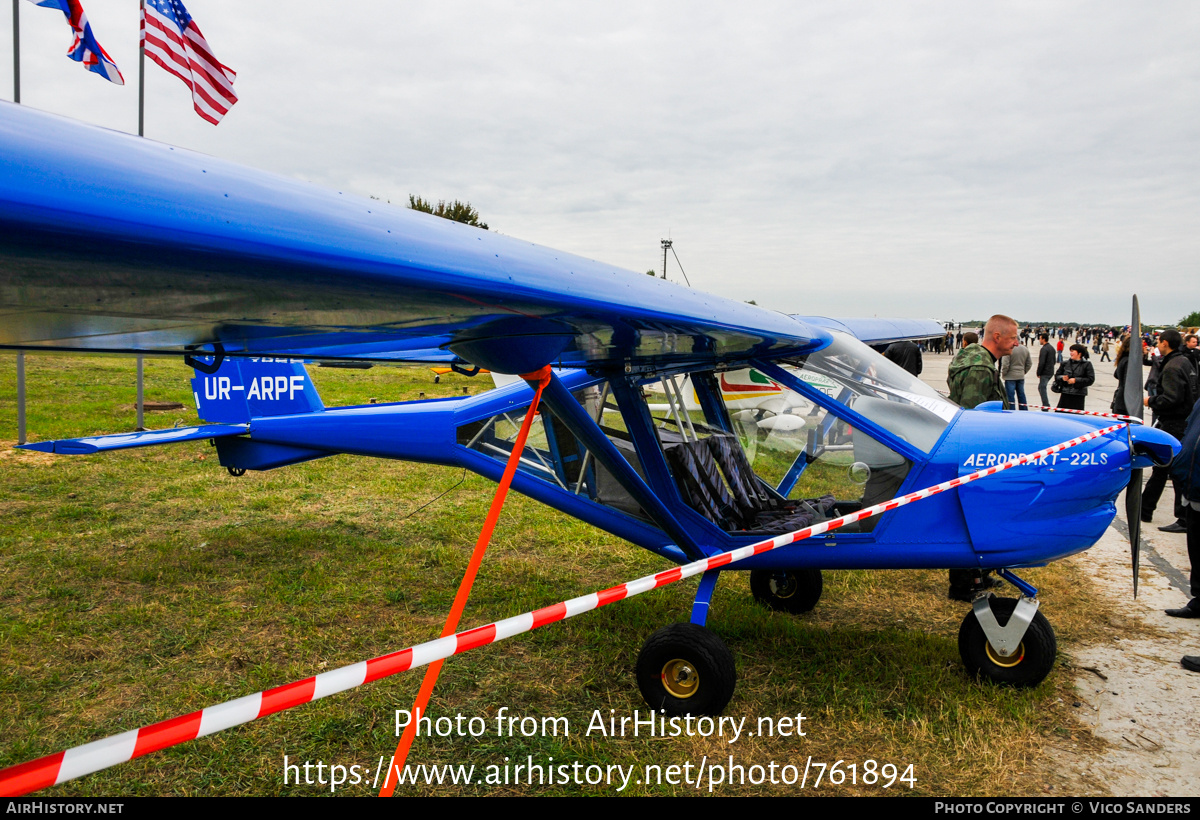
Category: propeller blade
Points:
column 1134, row 407
column 1133, row 370
column 1133, row 514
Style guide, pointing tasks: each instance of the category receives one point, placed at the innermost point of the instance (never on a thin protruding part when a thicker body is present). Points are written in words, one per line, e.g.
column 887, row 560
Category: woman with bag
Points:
column 1073, row 378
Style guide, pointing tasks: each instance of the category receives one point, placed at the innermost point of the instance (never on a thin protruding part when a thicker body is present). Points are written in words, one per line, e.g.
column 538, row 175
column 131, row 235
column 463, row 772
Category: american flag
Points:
column 173, row 40
column 85, row 49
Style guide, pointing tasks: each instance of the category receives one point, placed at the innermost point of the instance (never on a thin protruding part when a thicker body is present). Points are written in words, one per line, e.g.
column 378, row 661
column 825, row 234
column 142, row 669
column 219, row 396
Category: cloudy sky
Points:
column 945, row 159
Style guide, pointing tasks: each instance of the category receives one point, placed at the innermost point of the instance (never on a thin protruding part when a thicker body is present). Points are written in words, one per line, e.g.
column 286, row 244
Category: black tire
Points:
column 1027, row 668
column 684, row 669
column 787, row 590
column 236, row 472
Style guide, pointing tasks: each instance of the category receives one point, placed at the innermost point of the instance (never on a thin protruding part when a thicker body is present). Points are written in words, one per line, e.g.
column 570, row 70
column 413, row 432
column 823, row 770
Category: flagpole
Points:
column 141, row 133
column 141, row 76
column 17, row 99
column 16, row 51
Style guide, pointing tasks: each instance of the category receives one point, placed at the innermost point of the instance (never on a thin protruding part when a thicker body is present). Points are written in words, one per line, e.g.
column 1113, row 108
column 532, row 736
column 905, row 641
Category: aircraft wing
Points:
column 879, row 331
column 110, row 242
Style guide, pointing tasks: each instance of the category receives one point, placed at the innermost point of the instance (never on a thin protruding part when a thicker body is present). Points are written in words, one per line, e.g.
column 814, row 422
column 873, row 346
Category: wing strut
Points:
column 542, row 378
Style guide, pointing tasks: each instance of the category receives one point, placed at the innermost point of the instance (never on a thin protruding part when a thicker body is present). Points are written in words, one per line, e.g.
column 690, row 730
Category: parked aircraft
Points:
column 110, row 243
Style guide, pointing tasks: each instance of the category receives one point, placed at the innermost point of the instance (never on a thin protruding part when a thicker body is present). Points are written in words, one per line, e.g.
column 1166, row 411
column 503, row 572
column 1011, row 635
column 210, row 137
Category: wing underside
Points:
column 874, row 331
column 113, row 243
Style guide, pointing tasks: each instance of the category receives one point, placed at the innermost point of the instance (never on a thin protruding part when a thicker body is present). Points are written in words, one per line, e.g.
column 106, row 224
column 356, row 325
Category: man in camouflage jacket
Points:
column 973, row 380
column 973, row 377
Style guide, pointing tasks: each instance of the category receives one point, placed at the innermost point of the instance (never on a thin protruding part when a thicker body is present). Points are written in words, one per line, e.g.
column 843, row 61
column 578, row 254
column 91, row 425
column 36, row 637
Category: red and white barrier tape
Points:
column 432, row 671
column 1086, row 413
column 101, row 754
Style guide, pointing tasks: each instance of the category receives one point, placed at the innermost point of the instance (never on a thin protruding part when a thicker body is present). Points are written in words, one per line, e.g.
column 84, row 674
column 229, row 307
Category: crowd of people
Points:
column 993, row 364
column 994, row 369
column 1064, row 361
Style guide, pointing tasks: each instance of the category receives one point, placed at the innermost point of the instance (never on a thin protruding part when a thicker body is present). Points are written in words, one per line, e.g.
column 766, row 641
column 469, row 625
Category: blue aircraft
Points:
column 110, row 243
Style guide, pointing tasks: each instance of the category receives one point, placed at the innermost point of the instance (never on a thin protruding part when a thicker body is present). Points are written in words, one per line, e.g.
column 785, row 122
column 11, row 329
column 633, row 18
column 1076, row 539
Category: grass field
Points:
column 140, row 585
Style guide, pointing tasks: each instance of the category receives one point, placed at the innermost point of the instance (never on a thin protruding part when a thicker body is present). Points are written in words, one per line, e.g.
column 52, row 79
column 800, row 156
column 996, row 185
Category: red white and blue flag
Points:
column 85, row 49
column 173, row 40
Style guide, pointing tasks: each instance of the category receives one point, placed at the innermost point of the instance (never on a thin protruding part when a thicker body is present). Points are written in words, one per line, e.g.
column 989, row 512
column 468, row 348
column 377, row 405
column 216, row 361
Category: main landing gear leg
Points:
column 684, row 669
column 1008, row 641
column 708, row 585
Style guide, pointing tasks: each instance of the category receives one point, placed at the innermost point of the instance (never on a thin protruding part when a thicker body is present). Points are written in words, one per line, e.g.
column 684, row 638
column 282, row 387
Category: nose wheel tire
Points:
column 686, row 670
column 1026, row 667
column 793, row 590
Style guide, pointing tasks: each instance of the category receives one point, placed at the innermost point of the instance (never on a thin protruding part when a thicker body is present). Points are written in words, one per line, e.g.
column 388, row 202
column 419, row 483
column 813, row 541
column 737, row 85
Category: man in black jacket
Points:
column 1045, row 368
column 1186, row 470
column 906, row 354
column 1176, row 393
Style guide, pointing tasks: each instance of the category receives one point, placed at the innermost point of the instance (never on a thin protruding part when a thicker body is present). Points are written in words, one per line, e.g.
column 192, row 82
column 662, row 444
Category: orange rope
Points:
column 464, row 588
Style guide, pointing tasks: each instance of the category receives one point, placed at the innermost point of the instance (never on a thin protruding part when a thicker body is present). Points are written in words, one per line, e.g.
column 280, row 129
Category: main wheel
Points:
column 686, row 670
column 787, row 590
column 1025, row 668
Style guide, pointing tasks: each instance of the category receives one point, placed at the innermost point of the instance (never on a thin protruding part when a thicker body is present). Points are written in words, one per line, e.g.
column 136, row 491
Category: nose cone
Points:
column 1151, row 446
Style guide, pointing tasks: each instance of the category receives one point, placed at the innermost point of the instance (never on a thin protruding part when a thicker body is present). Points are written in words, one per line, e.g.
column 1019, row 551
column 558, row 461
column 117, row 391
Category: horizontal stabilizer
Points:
column 123, row 441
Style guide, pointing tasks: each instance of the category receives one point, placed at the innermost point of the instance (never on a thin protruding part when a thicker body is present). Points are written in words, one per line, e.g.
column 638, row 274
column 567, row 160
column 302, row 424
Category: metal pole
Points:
column 20, row 397
column 141, row 120
column 141, row 414
column 17, row 53
column 687, row 417
column 666, row 245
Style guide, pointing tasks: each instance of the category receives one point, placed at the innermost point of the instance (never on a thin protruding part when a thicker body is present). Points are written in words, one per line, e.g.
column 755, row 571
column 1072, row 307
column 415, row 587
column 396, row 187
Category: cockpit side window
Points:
column 804, row 451
column 710, row 465
column 554, row 454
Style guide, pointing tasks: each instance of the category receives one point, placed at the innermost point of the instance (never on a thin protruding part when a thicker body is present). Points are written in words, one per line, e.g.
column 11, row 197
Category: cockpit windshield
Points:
column 854, row 375
column 805, row 445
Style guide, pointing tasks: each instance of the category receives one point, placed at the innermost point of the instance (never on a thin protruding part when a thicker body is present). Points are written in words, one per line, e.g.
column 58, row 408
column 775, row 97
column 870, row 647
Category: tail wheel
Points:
column 1025, row 668
column 684, row 669
column 793, row 590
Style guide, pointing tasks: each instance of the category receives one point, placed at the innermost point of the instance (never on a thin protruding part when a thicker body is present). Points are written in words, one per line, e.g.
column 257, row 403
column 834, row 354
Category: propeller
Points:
column 1133, row 407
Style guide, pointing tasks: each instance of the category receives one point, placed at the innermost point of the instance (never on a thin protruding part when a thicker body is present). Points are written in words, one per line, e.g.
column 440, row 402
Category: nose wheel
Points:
column 1027, row 662
column 686, row 670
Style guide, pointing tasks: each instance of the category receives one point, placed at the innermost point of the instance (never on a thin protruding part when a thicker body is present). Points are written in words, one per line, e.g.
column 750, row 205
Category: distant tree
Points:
column 752, row 302
column 652, row 272
column 1191, row 320
column 456, row 211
